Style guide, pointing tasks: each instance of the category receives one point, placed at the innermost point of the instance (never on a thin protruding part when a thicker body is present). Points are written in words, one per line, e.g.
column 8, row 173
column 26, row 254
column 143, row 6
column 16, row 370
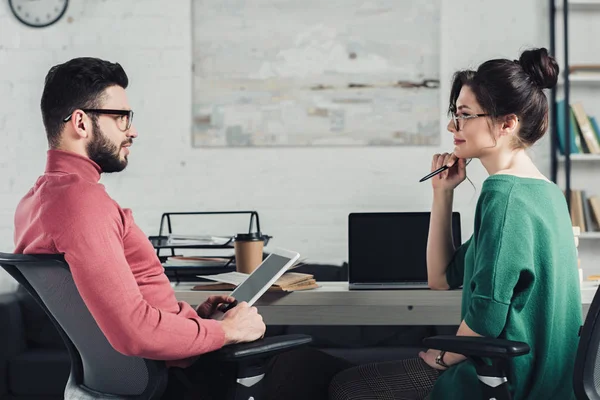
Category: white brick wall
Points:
column 302, row 195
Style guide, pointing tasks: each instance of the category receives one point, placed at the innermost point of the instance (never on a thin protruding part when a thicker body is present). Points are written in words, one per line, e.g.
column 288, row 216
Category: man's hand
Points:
column 429, row 358
column 243, row 324
column 206, row 309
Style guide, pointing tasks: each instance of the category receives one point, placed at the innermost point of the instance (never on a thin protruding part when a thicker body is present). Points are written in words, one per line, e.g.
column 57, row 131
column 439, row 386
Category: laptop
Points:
column 388, row 250
column 258, row 282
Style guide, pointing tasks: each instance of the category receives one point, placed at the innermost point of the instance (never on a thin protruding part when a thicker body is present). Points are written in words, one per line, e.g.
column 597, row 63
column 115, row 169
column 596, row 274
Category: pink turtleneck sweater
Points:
column 114, row 266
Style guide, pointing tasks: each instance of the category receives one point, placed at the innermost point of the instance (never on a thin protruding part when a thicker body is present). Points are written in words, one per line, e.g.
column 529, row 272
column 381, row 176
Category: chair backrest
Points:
column 586, row 376
column 97, row 370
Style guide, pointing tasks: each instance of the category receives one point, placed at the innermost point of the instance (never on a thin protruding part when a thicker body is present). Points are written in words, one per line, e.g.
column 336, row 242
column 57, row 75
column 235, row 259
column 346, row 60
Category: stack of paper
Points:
column 576, row 234
column 190, row 240
column 180, row 261
column 288, row 282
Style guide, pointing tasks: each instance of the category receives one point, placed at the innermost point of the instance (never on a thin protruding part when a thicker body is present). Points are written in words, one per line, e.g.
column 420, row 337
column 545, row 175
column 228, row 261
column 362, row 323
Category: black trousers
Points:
column 300, row 374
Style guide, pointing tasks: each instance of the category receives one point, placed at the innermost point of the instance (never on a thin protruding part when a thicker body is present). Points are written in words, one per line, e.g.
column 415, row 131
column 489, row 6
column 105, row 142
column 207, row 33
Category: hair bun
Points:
column 541, row 67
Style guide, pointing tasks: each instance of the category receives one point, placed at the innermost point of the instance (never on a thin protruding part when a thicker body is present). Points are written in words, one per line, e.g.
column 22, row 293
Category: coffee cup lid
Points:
column 249, row 237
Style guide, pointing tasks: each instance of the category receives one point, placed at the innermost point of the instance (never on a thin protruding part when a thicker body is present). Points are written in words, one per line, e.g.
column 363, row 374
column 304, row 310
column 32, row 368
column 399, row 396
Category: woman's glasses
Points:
column 457, row 118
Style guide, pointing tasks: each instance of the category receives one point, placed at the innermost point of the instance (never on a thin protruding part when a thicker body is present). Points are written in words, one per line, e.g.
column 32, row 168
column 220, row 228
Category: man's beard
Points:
column 105, row 153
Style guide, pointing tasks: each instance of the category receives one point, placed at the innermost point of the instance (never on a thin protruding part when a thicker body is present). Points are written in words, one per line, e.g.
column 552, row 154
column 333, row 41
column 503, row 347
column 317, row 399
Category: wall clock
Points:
column 38, row 13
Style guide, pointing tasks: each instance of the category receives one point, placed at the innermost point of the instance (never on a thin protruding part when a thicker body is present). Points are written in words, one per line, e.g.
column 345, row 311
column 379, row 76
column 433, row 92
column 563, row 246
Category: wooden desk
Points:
column 334, row 304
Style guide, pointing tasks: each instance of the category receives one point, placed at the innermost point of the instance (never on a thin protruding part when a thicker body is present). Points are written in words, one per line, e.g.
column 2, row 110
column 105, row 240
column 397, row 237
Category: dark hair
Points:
column 78, row 83
column 504, row 87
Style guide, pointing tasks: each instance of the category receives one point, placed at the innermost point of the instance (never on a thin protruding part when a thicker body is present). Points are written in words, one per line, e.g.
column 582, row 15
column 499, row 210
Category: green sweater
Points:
column 520, row 282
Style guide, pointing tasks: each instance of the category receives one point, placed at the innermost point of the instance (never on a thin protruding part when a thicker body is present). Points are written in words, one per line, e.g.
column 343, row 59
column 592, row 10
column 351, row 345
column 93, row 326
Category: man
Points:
column 89, row 125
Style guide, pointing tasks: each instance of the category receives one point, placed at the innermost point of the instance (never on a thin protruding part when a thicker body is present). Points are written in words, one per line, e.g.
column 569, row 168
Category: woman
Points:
column 518, row 270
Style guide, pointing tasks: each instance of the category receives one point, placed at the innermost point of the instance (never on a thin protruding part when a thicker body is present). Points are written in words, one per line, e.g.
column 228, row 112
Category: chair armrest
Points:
column 263, row 348
column 478, row 346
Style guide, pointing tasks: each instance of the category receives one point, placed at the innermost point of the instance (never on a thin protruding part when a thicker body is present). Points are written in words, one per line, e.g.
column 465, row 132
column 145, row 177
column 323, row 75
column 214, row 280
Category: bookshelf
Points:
column 575, row 165
column 577, row 5
column 581, row 158
column 589, row 235
column 587, row 79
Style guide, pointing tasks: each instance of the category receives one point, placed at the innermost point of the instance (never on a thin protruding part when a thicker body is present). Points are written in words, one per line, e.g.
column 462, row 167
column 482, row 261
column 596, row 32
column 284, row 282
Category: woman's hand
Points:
column 429, row 358
column 453, row 176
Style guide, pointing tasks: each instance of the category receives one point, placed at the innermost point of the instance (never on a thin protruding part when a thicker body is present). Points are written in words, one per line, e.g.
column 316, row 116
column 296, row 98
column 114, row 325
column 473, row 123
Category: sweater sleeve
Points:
column 455, row 271
column 91, row 238
column 504, row 252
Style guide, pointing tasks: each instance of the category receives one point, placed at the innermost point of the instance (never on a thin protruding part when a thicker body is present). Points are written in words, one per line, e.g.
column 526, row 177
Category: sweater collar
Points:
column 72, row 163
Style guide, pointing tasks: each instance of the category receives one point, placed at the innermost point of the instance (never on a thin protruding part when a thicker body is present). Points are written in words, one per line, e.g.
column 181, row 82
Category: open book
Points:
column 288, row 282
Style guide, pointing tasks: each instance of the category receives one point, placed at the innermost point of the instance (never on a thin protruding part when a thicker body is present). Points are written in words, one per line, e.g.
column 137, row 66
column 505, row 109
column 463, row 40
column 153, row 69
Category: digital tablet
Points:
column 259, row 281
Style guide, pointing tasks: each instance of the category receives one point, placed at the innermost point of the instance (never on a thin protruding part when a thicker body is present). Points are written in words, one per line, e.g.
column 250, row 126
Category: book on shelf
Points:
column 577, row 217
column 587, row 216
column 288, row 282
column 584, row 130
column 584, row 68
column 595, row 127
column 585, row 211
column 595, row 210
column 575, row 140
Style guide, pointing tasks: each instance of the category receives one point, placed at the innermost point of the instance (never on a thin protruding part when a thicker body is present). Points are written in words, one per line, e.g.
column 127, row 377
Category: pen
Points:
column 434, row 173
column 442, row 169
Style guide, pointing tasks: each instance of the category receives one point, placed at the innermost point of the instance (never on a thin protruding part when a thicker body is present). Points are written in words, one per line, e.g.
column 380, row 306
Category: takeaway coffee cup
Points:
column 248, row 251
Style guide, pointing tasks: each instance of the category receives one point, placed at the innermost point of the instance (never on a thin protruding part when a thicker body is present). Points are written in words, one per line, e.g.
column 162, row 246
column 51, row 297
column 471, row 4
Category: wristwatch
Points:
column 439, row 360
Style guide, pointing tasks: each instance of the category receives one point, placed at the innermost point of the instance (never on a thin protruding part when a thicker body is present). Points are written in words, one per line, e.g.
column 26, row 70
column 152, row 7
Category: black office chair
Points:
column 586, row 376
column 100, row 372
column 494, row 384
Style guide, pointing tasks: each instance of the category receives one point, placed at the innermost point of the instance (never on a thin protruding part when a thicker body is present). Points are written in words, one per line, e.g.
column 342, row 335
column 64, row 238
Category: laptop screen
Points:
column 391, row 247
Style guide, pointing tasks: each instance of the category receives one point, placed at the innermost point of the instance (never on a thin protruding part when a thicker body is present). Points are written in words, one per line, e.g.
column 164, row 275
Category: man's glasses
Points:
column 124, row 123
column 457, row 118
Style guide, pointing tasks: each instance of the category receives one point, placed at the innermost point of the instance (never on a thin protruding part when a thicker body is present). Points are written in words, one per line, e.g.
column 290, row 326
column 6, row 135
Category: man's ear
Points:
column 509, row 125
column 81, row 123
